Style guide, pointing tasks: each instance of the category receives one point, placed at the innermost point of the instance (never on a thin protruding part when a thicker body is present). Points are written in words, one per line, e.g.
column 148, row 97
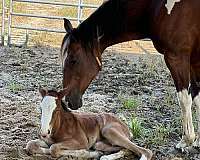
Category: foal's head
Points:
column 81, row 61
column 50, row 106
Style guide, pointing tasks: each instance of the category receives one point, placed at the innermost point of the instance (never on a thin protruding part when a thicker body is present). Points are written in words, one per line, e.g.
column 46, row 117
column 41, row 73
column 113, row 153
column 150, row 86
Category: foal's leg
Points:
column 104, row 147
column 72, row 148
column 115, row 136
column 195, row 90
column 37, row 147
column 180, row 71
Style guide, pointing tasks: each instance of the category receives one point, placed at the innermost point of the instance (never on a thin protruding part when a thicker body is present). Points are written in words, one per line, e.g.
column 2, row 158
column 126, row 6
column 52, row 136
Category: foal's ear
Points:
column 43, row 91
column 68, row 25
column 63, row 93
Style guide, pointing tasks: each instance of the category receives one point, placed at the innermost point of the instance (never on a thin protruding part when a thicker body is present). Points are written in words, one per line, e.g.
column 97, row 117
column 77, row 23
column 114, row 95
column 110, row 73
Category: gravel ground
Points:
column 126, row 78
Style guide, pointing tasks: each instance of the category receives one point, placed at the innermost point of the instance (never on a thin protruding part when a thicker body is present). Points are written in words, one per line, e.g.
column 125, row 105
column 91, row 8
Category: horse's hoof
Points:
column 196, row 143
column 181, row 145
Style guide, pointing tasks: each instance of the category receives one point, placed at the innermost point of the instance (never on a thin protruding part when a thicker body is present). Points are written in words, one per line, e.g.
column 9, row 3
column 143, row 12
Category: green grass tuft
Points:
column 136, row 127
column 129, row 103
column 15, row 87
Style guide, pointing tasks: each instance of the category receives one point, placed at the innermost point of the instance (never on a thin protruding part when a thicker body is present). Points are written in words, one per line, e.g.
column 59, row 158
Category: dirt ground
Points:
column 142, row 78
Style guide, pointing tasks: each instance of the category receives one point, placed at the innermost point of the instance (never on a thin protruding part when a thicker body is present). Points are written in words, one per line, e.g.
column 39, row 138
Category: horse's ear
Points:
column 68, row 25
column 43, row 91
column 63, row 93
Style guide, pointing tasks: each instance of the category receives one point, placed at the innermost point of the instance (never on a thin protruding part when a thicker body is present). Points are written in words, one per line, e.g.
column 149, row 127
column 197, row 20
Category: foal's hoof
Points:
column 147, row 156
column 54, row 151
column 31, row 148
column 144, row 157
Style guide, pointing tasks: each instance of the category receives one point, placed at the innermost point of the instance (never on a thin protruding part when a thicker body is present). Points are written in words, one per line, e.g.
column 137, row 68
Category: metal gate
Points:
column 16, row 31
column 78, row 6
column 3, row 8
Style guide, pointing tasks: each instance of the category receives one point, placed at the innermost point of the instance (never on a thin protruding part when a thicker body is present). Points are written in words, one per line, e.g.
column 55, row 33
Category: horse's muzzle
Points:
column 74, row 102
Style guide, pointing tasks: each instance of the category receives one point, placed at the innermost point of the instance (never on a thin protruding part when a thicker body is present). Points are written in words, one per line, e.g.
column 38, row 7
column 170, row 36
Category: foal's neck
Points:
column 63, row 126
column 64, row 118
column 116, row 21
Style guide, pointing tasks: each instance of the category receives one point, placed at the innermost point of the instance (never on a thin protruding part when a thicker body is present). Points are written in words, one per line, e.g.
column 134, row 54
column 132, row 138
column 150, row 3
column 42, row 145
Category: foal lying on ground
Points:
column 65, row 133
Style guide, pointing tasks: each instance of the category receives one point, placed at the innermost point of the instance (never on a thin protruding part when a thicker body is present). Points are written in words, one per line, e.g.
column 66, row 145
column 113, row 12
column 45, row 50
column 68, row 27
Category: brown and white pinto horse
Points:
column 65, row 133
column 172, row 25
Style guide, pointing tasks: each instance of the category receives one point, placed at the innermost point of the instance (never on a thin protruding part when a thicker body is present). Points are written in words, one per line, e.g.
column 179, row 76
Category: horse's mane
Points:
column 106, row 20
column 65, row 106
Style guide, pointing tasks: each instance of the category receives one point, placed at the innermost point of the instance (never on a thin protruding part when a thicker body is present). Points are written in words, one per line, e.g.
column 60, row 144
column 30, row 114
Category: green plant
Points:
column 136, row 127
column 130, row 103
column 159, row 135
column 15, row 87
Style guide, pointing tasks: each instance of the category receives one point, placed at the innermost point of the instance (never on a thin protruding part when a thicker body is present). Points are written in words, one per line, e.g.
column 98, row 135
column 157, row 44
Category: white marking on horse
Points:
column 48, row 105
column 197, row 100
column 143, row 157
column 185, row 100
column 170, row 5
column 197, row 103
column 64, row 54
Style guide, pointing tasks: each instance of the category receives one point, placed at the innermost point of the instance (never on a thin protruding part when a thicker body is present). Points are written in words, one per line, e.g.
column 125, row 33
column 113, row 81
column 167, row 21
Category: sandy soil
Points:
column 143, row 78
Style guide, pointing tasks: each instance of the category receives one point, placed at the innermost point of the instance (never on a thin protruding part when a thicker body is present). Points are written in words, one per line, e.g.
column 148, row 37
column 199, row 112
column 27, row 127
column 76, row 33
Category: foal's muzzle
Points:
column 44, row 135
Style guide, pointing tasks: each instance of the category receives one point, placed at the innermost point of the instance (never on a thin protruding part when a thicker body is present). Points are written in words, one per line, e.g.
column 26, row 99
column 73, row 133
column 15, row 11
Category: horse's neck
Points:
column 118, row 21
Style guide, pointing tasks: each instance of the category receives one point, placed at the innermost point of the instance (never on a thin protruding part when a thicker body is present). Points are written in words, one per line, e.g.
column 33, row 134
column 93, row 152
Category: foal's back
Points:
column 91, row 121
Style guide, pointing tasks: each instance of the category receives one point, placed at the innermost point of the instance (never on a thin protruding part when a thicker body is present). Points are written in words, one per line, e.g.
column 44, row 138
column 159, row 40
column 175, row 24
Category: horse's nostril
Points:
column 48, row 131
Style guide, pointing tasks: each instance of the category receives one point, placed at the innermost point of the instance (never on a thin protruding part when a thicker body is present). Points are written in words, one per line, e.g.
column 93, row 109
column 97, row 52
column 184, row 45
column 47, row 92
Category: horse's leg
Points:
column 115, row 136
column 195, row 90
column 71, row 148
column 112, row 152
column 104, row 147
column 180, row 71
column 37, row 147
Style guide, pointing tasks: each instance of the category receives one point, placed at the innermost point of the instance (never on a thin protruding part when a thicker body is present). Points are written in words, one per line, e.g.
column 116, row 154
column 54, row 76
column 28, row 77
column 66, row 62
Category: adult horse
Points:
column 174, row 29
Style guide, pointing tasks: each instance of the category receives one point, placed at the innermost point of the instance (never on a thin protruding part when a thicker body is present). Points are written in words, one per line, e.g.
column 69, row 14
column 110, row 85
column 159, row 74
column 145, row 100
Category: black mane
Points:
column 107, row 20
column 65, row 106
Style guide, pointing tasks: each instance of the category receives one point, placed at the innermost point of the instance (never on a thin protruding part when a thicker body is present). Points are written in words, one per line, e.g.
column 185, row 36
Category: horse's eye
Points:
column 73, row 61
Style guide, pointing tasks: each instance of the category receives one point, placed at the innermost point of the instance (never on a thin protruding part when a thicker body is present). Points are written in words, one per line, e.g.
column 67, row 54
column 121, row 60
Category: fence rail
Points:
column 80, row 5
column 18, row 32
column 2, row 22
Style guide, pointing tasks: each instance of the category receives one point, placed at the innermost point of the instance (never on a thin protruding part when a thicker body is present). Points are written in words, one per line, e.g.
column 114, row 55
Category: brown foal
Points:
column 67, row 133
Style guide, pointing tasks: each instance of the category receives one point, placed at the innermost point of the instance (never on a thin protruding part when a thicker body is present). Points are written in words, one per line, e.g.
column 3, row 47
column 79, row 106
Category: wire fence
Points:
column 40, row 22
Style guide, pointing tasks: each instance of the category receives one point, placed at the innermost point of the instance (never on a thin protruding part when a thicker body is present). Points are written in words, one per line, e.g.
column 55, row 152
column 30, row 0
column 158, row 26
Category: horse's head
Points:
column 81, row 62
column 50, row 104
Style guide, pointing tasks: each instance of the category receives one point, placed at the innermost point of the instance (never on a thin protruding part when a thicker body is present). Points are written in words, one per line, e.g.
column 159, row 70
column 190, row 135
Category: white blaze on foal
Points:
column 170, row 5
column 48, row 105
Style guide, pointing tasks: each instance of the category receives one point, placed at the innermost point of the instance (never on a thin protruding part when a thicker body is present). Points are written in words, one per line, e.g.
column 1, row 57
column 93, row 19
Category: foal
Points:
column 65, row 133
